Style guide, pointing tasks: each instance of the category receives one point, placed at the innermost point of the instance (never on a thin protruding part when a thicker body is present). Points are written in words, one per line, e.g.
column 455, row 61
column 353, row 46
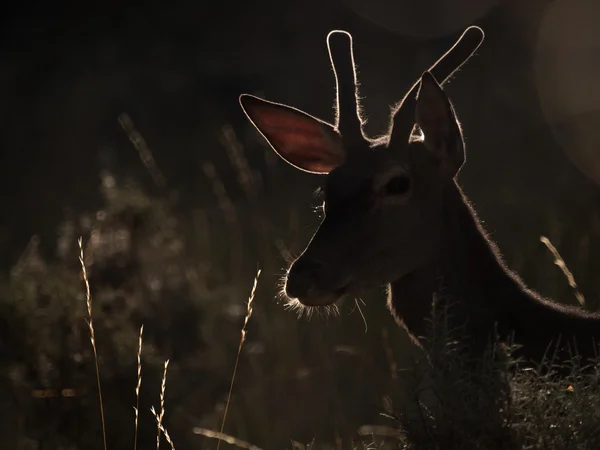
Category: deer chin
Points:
column 319, row 298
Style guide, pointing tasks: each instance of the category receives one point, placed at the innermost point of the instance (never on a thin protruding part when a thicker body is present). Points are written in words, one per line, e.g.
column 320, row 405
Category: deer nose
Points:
column 303, row 276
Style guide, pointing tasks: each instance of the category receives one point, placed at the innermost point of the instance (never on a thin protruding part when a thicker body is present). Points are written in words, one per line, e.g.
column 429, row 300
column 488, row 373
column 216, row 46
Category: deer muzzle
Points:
column 311, row 283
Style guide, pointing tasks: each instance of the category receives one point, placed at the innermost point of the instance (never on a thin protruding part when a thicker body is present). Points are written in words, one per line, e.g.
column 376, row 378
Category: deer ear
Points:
column 435, row 117
column 303, row 141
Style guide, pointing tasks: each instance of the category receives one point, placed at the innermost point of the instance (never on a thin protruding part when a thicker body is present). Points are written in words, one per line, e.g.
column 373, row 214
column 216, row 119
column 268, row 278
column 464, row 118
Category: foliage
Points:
column 184, row 274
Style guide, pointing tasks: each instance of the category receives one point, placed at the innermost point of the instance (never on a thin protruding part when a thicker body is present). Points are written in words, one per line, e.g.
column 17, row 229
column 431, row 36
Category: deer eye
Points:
column 398, row 185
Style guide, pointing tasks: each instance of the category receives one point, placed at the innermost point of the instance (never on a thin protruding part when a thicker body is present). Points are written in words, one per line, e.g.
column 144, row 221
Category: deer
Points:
column 395, row 215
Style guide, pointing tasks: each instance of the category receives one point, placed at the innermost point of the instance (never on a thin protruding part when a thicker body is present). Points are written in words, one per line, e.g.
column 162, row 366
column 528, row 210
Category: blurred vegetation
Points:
column 186, row 276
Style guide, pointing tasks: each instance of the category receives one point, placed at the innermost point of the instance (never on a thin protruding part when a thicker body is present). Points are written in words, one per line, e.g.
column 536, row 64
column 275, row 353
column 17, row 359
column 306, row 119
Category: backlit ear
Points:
column 303, row 141
column 435, row 117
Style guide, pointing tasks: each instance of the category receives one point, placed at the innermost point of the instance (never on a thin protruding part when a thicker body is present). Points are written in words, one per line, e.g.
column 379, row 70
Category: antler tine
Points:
column 348, row 121
column 458, row 54
column 442, row 70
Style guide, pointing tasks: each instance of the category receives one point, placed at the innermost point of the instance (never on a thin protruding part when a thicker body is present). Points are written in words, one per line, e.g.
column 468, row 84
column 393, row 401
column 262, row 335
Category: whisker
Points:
column 308, row 312
column 356, row 300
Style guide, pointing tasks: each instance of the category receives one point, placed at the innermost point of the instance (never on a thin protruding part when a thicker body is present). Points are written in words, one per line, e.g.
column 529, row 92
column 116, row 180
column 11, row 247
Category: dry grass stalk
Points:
column 162, row 405
column 247, row 179
column 563, row 267
column 162, row 428
column 225, row 437
column 139, row 385
column 378, row 430
column 229, row 213
column 88, row 297
column 389, row 353
column 225, row 203
column 242, row 340
column 141, row 146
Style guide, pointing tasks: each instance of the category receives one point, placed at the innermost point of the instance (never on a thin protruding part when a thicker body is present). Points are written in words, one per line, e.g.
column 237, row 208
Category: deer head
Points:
column 382, row 197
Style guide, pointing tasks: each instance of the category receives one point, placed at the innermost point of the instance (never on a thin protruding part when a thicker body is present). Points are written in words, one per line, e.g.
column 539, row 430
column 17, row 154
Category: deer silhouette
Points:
column 394, row 214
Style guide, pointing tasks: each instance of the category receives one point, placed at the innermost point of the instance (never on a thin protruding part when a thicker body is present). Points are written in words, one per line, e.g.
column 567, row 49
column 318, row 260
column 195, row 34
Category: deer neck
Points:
column 468, row 272
column 469, row 276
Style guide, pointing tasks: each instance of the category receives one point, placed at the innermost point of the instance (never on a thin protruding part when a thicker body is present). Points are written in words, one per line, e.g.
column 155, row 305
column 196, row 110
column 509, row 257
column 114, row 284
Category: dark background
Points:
column 180, row 256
